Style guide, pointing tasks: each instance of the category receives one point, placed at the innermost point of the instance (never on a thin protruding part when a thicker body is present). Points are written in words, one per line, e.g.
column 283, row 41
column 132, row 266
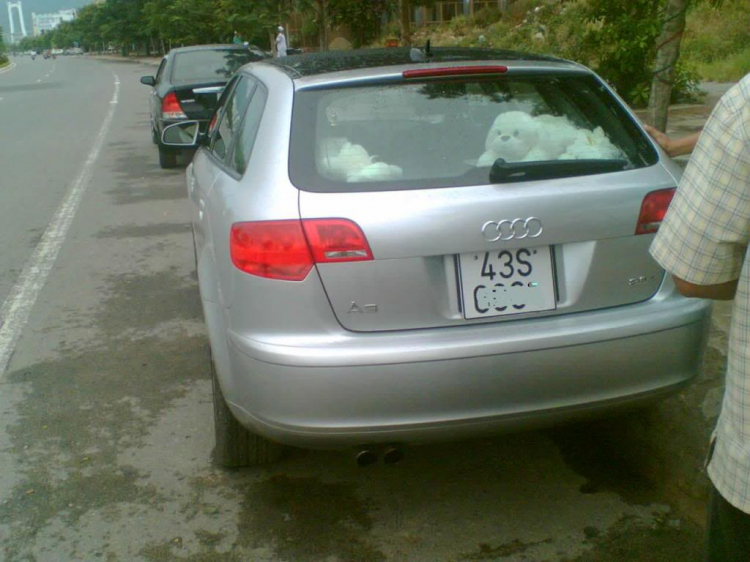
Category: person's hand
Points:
column 684, row 145
column 661, row 139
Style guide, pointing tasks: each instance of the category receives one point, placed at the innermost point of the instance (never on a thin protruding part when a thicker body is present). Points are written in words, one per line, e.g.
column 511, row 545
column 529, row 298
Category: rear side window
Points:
column 456, row 132
column 229, row 120
column 249, row 130
column 209, row 65
column 160, row 72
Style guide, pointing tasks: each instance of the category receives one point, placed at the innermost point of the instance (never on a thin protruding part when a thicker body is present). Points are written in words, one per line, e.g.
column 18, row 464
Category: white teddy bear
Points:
column 350, row 162
column 512, row 137
column 556, row 134
column 592, row 145
column 516, row 136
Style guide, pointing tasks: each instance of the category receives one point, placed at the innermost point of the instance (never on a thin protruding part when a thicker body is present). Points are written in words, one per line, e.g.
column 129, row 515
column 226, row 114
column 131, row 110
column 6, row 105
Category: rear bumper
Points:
column 429, row 385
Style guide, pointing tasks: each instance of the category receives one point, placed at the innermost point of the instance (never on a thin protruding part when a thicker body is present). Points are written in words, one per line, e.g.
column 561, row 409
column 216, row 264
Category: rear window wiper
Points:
column 507, row 172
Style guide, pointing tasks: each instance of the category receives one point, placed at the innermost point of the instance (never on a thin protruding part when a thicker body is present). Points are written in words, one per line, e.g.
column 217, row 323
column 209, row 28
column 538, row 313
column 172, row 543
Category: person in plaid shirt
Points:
column 703, row 242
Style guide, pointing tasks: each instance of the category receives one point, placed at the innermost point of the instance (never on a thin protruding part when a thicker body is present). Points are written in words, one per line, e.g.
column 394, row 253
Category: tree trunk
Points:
column 667, row 54
column 404, row 14
column 323, row 24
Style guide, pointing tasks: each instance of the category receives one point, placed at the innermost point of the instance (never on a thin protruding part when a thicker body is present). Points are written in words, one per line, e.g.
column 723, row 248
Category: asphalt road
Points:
column 105, row 404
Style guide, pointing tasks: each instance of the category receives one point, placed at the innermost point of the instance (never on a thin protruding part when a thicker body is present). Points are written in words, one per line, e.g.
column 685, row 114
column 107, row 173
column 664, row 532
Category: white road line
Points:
column 8, row 69
column 38, row 81
column 14, row 314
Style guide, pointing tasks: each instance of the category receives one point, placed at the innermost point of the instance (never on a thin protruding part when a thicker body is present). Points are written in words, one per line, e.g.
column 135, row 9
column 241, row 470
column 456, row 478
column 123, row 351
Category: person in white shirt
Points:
column 703, row 242
column 280, row 43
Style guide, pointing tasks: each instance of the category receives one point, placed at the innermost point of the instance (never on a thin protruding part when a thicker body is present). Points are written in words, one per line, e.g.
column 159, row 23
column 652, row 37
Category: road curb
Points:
column 127, row 60
column 7, row 68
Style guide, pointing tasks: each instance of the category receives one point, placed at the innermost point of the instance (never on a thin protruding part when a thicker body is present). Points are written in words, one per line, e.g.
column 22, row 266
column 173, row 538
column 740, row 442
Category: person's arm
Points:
column 704, row 236
column 721, row 292
column 673, row 147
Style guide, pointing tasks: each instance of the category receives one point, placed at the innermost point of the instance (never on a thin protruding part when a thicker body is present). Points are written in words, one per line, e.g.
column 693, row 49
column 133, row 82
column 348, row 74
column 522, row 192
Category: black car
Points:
column 187, row 86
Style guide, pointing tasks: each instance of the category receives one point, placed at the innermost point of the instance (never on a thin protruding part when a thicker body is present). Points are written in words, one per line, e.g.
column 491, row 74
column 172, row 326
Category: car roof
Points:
column 221, row 47
column 313, row 64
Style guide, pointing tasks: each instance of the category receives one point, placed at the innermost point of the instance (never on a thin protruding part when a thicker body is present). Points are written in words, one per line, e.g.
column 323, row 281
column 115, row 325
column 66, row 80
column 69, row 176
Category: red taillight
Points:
column 653, row 209
column 336, row 240
column 273, row 249
column 453, row 71
column 170, row 107
column 288, row 250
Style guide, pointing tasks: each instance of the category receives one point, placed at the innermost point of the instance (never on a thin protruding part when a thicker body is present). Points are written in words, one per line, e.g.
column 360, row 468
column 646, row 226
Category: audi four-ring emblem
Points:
column 516, row 229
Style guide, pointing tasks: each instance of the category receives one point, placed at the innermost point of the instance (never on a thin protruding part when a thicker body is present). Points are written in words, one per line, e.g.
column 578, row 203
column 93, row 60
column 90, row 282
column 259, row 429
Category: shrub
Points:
column 729, row 69
column 714, row 33
column 487, row 16
column 616, row 38
column 3, row 56
column 686, row 87
column 717, row 41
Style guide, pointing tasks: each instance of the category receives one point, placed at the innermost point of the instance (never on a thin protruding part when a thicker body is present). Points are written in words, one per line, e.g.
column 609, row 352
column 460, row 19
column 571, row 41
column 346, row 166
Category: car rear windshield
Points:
column 414, row 135
column 208, row 65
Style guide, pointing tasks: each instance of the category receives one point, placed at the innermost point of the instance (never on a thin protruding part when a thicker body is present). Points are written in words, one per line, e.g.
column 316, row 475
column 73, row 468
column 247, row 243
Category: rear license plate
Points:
column 506, row 282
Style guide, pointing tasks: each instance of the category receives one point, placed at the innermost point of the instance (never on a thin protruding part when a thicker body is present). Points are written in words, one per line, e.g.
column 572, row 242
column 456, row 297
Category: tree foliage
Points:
column 362, row 17
column 3, row 56
column 618, row 38
column 623, row 34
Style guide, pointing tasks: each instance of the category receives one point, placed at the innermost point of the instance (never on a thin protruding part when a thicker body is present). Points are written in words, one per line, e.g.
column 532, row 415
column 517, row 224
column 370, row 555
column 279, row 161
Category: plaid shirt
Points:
column 704, row 240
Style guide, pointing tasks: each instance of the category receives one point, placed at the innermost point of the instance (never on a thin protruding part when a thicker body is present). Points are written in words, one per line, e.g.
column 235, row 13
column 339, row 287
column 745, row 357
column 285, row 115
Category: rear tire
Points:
column 236, row 447
column 167, row 159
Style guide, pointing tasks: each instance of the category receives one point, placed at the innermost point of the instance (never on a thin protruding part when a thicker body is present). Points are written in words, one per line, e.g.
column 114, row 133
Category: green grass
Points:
column 729, row 69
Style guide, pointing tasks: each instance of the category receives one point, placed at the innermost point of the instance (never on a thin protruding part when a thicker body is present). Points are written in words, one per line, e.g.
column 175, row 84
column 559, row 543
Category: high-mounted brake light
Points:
column 653, row 209
column 453, row 71
column 287, row 250
column 171, row 108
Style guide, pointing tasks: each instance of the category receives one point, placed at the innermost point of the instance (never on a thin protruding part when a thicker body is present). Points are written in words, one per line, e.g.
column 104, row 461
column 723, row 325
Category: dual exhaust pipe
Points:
column 369, row 456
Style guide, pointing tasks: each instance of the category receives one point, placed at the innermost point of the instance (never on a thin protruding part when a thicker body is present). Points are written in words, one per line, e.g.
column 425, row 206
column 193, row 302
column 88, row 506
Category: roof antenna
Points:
column 418, row 55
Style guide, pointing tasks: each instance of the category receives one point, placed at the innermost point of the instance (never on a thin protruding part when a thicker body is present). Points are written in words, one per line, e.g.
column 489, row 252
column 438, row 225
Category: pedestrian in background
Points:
column 280, row 42
column 703, row 242
column 237, row 39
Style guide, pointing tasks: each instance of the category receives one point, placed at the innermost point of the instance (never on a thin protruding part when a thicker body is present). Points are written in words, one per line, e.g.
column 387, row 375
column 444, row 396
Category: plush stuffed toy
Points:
column 556, row 134
column 345, row 161
column 512, row 137
column 338, row 157
column 593, row 145
column 516, row 136
column 377, row 171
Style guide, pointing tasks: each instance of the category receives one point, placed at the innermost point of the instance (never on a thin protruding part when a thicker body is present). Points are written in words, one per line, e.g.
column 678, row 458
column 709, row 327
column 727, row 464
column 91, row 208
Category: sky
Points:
column 37, row 6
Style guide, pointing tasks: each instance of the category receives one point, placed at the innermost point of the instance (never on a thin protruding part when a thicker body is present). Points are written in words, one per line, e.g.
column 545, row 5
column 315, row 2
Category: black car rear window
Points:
column 470, row 131
column 207, row 65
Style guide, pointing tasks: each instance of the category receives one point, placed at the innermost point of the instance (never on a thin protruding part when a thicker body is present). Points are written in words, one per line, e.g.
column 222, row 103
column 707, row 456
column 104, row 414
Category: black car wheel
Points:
column 236, row 447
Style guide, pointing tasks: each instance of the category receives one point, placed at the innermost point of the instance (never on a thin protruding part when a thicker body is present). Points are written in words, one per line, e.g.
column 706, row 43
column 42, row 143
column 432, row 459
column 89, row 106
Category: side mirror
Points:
column 182, row 134
column 148, row 80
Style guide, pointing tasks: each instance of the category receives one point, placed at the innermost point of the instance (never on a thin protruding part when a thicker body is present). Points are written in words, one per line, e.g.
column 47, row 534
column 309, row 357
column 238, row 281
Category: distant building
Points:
column 42, row 23
column 17, row 7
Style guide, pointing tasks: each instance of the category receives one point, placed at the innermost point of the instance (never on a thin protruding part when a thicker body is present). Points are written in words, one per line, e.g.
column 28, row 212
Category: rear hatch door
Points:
column 456, row 241
column 198, row 77
column 199, row 100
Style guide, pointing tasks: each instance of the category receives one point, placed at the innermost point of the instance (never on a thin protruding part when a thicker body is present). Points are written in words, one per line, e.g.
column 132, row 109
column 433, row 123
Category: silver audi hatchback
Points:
column 408, row 245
